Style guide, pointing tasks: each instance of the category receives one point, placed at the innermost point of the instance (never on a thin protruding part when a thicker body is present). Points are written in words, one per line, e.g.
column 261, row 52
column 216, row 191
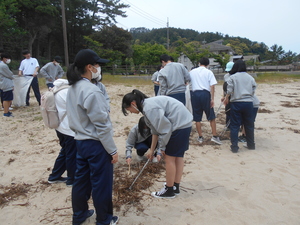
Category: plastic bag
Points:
column 21, row 85
column 188, row 103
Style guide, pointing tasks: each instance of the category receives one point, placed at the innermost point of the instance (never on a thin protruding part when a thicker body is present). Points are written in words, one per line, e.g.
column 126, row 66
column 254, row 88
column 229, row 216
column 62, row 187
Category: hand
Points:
column 34, row 75
column 150, row 154
column 128, row 160
column 212, row 103
column 158, row 158
column 115, row 158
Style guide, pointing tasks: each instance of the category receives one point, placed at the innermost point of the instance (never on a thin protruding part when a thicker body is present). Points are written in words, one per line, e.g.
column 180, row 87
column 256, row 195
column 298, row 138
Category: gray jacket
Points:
column 134, row 137
column 51, row 71
column 88, row 114
column 163, row 115
column 6, row 78
column 154, row 78
column 173, row 78
column 241, row 87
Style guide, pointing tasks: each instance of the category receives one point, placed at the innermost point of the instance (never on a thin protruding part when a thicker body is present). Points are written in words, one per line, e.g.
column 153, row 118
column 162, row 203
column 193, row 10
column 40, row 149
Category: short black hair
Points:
column 204, row 61
column 5, row 55
column 25, row 52
column 165, row 58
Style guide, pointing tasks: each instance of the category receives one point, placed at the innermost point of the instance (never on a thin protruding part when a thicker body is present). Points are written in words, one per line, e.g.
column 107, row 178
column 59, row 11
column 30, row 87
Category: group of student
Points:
column 29, row 68
column 86, row 133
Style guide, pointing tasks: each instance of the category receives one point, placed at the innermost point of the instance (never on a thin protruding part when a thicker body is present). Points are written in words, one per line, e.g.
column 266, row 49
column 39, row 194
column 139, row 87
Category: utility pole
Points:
column 63, row 14
column 168, row 38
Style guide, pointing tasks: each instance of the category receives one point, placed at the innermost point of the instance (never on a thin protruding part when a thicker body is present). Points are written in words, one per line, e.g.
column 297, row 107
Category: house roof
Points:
column 217, row 46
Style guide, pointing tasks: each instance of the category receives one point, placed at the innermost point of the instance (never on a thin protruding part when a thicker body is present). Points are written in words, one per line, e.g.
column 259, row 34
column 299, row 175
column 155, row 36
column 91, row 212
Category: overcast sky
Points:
column 268, row 21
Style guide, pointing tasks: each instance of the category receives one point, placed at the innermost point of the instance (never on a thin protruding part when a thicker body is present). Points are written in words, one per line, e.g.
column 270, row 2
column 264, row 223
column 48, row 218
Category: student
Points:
column 96, row 150
column 170, row 123
column 241, row 88
column 29, row 67
column 203, row 84
column 155, row 79
column 52, row 71
column 66, row 159
column 173, row 79
column 6, row 84
column 229, row 66
column 140, row 138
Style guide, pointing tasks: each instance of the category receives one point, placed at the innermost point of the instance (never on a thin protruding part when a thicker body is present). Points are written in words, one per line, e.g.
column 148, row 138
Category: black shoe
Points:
column 176, row 189
column 246, row 146
column 234, row 150
column 114, row 220
column 59, row 180
column 165, row 192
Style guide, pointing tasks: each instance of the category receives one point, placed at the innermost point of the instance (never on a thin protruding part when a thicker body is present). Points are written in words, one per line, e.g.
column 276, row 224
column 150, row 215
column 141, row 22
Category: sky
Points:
column 268, row 21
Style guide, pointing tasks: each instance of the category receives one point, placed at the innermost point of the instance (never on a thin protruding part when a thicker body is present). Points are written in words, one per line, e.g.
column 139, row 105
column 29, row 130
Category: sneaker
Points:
column 69, row 183
column 246, row 146
column 90, row 213
column 154, row 159
column 9, row 114
column 139, row 158
column 165, row 192
column 60, row 180
column 175, row 188
column 200, row 139
column 242, row 139
column 10, row 108
column 216, row 140
column 114, row 220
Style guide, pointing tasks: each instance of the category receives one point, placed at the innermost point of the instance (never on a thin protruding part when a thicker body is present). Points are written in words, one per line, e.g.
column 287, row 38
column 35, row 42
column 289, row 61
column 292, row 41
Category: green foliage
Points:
column 147, row 54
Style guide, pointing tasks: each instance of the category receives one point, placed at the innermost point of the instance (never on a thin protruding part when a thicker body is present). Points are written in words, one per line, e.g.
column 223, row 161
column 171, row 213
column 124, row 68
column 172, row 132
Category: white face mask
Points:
column 97, row 74
column 8, row 61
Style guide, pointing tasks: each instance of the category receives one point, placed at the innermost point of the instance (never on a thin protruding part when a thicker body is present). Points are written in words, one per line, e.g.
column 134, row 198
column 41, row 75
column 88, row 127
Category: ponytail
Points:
column 74, row 73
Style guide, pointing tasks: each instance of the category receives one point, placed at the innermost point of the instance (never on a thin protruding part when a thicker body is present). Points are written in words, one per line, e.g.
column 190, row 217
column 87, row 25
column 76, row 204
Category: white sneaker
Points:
column 139, row 158
column 154, row 159
column 200, row 139
column 216, row 140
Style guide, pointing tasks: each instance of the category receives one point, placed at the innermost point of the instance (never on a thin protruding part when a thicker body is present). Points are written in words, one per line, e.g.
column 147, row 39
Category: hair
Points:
column 238, row 66
column 142, row 125
column 158, row 68
column 25, row 52
column 165, row 58
column 5, row 55
column 136, row 96
column 204, row 61
column 74, row 73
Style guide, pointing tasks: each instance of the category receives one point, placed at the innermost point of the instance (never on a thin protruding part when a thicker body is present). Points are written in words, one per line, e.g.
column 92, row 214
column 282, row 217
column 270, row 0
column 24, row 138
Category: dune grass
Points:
column 277, row 77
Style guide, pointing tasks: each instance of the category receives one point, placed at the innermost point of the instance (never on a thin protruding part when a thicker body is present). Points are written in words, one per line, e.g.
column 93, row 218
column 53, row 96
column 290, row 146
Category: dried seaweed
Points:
column 123, row 197
column 12, row 192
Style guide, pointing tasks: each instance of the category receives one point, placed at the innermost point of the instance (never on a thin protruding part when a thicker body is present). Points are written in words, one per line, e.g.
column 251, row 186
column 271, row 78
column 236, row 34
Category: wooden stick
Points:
column 129, row 169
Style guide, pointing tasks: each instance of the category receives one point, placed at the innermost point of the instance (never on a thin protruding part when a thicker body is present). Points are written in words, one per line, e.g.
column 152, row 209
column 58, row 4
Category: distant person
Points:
column 229, row 66
column 29, row 67
column 52, row 71
column 66, row 159
column 6, row 84
column 203, row 83
column 173, row 79
column 241, row 89
column 155, row 79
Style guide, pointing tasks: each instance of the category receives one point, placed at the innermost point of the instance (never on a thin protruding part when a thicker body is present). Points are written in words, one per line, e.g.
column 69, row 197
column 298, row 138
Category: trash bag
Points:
column 188, row 103
column 21, row 85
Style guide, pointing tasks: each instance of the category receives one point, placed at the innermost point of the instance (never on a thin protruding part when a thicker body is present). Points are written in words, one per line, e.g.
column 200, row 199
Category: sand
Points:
column 218, row 187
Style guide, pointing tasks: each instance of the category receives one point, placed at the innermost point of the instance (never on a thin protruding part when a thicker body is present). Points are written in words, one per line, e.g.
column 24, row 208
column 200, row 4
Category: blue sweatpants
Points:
column 94, row 175
column 66, row 159
column 142, row 147
column 241, row 113
column 179, row 96
column 35, row 87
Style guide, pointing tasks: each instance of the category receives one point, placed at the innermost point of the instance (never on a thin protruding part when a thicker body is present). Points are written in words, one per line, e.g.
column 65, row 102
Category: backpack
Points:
column 48, row 108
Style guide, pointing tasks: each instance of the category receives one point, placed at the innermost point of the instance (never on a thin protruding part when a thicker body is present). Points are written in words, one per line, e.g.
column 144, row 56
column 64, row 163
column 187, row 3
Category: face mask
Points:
column 8, row 61
column 56, row 63
column 97, row 74
column 145, row 130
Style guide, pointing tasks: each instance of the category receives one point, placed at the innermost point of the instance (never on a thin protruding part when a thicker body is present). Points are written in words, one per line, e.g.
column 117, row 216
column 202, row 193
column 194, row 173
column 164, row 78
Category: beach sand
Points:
column 259, row 186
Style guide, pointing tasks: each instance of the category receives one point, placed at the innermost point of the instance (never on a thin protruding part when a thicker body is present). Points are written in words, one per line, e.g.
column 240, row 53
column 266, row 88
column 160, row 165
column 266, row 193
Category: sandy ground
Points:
column 218, row 187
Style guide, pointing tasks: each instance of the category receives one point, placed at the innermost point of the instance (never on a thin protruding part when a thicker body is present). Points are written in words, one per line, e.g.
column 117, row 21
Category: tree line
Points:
column 37, row 26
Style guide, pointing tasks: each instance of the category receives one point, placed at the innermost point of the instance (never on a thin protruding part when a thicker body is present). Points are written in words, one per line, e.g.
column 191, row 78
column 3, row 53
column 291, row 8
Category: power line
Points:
column 145, row 15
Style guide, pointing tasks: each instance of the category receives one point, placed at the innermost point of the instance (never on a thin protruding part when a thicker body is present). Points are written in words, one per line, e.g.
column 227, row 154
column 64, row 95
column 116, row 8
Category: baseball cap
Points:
column 88, row 56
column 58, row 59
column 229, row 66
